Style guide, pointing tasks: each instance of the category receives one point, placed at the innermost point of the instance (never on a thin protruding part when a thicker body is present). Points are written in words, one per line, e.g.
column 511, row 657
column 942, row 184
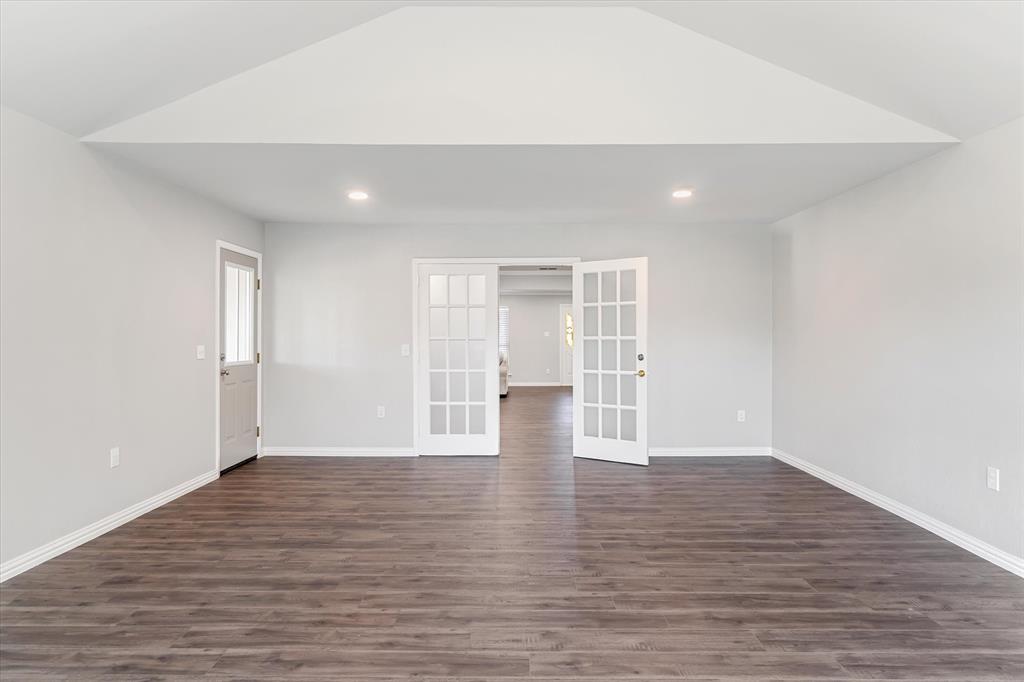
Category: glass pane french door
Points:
column 609, row 365
column 457, row 368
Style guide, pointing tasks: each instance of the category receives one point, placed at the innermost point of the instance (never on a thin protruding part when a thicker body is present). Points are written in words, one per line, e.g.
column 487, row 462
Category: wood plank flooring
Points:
column 527, row 566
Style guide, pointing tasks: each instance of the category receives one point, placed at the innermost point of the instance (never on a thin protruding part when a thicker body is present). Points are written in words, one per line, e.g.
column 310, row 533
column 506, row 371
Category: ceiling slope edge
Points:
column 519, row 75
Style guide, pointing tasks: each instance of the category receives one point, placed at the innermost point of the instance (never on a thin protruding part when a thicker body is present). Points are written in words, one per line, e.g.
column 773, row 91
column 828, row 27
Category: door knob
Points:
column 641, row 373
column 224, row 372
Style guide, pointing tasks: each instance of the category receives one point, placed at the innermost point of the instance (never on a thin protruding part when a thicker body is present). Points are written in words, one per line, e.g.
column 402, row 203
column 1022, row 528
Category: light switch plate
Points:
column 741, row 415
column 115, row 457
column 405, row 350
column 200, row 352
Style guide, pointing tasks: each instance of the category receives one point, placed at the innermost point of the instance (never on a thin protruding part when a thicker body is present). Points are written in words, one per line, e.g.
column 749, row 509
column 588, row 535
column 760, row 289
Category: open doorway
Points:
column 535, row 305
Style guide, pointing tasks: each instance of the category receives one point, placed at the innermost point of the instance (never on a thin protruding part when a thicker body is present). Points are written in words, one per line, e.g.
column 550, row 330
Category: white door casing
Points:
column 239, row 386
column 610, row 360
column 457, row 363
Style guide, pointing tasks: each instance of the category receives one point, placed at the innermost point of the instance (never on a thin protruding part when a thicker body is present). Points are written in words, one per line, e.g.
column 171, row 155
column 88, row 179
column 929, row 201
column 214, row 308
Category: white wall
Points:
column 899, row 336
column 531, row 353
column 338, row 306
column 106, row 288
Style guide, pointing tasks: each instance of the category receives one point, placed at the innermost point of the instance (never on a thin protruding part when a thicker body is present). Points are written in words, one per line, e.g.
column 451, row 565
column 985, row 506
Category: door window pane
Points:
column 590, row 354
column 608, row 293
column 477, row 386
column 477, row 419
column 609, row 389
column 477, row 323
column 438, row 290
column 239, row 292
column 438, row 386
column 457, row 323
column 438, row 322
column 627, row 355
column 590, row 427
column 457, row 387
column 608, row 353
column 458, row 418
column 609, row 422
column 457, row 290
column 438, row 419
column 609, row 320
column 590, row 287
column 628, row 425
column 627, row 285
column 627, row 396
column 590, row 321
column 477, row 289
column 438, row 354
column 590, row 387
column 477, row 354
column 456, row 354
column 628, row 320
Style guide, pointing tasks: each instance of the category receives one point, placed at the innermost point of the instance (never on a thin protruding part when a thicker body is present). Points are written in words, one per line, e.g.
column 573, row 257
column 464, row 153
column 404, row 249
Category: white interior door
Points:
column 238, row 381
column 457, row 364
column 567, row 333
column 609, row 419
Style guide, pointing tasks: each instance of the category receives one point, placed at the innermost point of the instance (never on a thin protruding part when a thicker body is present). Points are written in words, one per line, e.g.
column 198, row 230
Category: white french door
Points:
column 609, row 419
column 457, row 363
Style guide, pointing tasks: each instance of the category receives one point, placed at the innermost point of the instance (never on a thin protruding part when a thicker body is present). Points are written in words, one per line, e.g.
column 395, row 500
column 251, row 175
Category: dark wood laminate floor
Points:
column 528, row 566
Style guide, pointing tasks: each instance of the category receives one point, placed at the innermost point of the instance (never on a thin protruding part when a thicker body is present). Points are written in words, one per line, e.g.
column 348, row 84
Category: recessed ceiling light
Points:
column 358, row 195
column 682, row 194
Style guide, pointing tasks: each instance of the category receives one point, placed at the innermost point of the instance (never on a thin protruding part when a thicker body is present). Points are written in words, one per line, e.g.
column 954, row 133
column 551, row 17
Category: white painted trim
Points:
column 1003, row 559
column 20, row 564
column 221, row 244
column 565, row 260
column 711, row 452
column 283, row 451
column 513, row 384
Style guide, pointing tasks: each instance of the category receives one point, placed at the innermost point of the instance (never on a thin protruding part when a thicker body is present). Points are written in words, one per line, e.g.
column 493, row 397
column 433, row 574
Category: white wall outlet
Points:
column 380, row 412
column 741, row 415
column 993, row 479
column 547, row 333
column 547, row 371
column 115, row 457
column 200, row 352
column 405, row 350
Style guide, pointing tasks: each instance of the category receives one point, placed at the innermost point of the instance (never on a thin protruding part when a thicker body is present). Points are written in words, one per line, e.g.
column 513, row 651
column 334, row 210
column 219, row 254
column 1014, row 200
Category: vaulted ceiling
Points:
column 499, row 112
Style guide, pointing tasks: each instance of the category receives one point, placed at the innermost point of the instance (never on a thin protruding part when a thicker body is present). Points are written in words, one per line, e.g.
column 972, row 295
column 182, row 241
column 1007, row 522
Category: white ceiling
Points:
column 953, row 65
column 250, row 78
column 521, row 183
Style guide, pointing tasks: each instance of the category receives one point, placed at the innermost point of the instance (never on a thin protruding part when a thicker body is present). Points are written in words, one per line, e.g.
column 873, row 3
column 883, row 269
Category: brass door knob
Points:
column 224, row 372
column 641, row 373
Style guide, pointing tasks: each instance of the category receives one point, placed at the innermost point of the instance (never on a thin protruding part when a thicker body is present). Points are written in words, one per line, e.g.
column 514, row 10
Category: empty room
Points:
column 511, row 340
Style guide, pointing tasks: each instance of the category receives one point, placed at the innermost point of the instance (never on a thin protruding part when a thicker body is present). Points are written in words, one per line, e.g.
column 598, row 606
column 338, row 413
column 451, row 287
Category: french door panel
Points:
column 457, row 364
column 609, row 360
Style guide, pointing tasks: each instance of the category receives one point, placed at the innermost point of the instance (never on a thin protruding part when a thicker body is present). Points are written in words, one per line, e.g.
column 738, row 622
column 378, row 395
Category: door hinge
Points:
column 257, row 432
column 258, row 284
column 257, row 358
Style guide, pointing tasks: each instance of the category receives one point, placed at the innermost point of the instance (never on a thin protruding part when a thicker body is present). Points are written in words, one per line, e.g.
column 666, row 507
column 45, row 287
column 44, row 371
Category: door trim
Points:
column 414, row 347
column 222, row 245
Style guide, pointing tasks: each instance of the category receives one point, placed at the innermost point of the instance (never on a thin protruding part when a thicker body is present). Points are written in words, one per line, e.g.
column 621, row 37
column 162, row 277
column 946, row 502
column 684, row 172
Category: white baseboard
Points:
column 513, row 384
column 1011, row 563
column 20, row 564
column 711, row 452
column 280, row 451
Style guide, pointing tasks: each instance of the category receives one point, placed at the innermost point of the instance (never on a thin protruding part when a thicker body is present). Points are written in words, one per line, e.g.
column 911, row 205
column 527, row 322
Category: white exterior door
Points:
column 609, row 376
column 238, row 376
column 457, row 363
